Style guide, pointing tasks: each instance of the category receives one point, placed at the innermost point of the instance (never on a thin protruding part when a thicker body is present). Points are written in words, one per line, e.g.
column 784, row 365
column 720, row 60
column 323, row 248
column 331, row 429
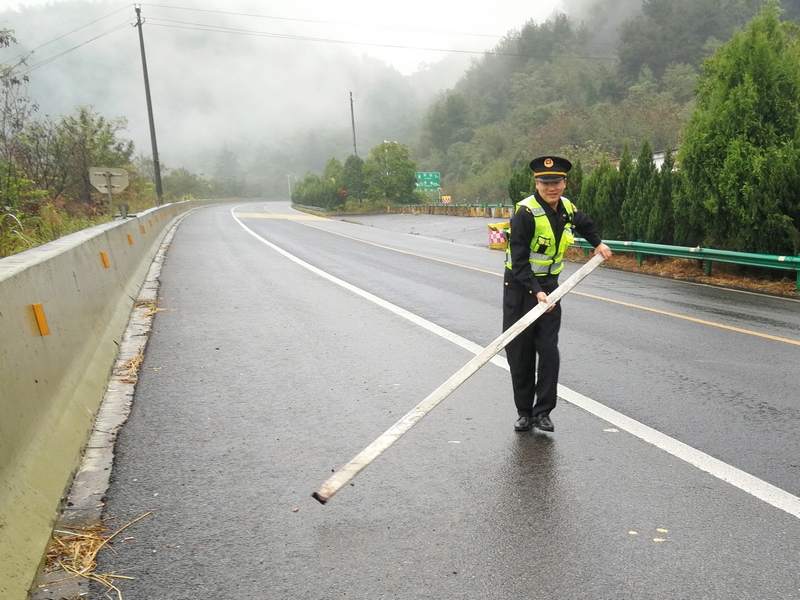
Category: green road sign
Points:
column 428, row 181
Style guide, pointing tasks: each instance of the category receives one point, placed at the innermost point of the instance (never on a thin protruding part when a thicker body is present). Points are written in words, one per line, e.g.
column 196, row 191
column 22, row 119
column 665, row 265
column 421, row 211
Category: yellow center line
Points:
column 692, row 319
column 628, row 304
column 277, row 216
column 439, row 260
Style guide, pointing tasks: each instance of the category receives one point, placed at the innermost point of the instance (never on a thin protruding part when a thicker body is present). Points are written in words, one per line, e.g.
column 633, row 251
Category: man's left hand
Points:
column 602, row 249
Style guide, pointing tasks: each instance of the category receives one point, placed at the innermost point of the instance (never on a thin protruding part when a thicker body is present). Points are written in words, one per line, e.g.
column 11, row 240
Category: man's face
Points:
column 551, row 191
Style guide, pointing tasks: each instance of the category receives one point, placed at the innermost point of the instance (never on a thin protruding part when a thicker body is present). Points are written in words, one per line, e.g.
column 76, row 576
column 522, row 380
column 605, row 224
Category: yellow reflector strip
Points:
column 130, row 239
column 41, row 320
column 104, row 257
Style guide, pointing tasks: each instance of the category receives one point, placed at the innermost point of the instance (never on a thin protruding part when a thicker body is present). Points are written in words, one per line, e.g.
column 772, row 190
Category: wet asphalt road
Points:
column 262, row 377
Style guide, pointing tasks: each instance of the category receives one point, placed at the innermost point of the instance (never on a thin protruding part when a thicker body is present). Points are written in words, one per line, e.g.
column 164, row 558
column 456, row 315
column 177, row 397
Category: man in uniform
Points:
column 541, row 230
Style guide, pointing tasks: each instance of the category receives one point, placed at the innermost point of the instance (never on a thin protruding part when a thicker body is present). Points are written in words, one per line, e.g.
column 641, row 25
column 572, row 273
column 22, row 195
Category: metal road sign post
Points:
column 109, row 180
column 428, row 181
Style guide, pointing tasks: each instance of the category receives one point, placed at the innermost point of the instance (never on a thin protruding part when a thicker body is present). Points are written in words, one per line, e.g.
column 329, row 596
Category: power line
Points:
column 238, row 14
column 285, row 36
column 156, row 22
column 57, row 56
column 341, row 23
column 32, row 50
column 235, row 31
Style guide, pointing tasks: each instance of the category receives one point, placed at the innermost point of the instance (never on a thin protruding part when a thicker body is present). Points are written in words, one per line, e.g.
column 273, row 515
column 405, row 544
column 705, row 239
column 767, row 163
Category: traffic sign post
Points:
column 428, row 181
column 109, row 180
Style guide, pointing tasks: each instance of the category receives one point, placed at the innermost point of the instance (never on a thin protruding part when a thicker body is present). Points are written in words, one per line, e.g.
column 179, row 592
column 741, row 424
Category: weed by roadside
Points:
column 73, row 552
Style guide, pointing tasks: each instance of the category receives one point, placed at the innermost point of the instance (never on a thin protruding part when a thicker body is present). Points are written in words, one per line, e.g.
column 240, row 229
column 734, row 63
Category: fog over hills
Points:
column 218, row 81
column 214, row 89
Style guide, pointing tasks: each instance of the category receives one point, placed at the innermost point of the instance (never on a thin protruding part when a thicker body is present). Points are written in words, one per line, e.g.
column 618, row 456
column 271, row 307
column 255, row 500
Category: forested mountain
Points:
column 600, row 84
column 683, row 32
column 563, row 87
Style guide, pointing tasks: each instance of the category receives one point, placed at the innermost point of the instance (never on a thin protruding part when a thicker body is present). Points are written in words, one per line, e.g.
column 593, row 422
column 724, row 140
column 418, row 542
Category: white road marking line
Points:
column 424, row 323
column 772, row 495
column 754, row 486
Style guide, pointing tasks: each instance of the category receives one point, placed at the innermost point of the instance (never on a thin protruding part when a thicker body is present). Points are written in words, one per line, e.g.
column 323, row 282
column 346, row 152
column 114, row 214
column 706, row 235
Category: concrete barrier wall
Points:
column 64, row 307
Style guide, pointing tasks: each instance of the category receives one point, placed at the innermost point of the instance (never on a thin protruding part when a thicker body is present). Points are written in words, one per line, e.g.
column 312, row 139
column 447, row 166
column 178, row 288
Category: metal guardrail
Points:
column 707, row 255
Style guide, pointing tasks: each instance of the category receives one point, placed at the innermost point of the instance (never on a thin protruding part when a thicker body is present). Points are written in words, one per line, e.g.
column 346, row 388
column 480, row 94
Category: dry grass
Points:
column 130, row 370
column 152, row 307
column 723, row 275
column 74, row 552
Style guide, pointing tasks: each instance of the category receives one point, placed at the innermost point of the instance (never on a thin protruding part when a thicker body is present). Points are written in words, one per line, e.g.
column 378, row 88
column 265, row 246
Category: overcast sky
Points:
column 245, row 74
column 403, row 34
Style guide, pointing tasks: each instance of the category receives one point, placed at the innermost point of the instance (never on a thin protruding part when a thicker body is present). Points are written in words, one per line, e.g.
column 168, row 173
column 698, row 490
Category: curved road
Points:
column 262, row 376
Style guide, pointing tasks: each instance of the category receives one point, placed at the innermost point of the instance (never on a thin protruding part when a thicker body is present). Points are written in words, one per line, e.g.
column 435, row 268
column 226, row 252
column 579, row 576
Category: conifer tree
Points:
column 589, row 192
column 617, row 194
column 741, row 152
column 639, row 196
column 661, row 222
column 597, row 197
column 519, row 186
column 353, row 177
column 575, row 183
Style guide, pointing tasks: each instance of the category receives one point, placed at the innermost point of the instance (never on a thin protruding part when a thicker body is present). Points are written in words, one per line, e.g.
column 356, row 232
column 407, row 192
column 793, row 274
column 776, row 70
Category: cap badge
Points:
column 548, row 162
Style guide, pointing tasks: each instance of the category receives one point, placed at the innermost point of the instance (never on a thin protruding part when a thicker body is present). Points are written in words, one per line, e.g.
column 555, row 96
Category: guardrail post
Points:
column 708, row 264
column 639, row 256
column 798, row 280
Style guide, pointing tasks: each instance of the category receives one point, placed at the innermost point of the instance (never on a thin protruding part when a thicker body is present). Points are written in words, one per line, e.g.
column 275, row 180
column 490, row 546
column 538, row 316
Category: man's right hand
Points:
column 542, row 297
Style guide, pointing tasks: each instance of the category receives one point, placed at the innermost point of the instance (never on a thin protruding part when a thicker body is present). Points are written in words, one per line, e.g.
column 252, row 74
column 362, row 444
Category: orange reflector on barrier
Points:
column 130, row 239
column 104, row 258
column 41, row 320
column 143, row 229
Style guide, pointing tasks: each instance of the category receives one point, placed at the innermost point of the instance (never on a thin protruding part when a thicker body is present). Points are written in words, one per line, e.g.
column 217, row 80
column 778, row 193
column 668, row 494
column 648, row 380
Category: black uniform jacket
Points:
column 522, row 231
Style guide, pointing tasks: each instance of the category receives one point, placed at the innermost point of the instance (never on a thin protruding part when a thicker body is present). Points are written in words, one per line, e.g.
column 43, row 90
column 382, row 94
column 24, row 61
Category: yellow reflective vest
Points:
column 545, row 257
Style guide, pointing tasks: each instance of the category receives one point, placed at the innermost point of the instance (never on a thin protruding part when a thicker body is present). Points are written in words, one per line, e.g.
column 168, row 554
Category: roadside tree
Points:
column 661, row 221
column 353, row 177
column 638, row 203
column 389, row 173
column 519, row 185
column 741, row 150
column 91, row 141
column 181, row 183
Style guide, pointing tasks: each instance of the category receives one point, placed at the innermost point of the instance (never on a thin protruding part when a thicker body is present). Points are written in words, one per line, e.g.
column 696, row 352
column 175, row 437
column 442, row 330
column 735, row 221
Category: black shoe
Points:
column 543, row 422
column 523, row 424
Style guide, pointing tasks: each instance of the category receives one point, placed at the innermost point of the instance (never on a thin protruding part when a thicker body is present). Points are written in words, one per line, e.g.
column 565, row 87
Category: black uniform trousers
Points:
column 540, row 338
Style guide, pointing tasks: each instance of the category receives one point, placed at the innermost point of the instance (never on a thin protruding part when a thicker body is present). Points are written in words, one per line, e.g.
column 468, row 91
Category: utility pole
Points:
column 353, row 121
column 156, row 166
